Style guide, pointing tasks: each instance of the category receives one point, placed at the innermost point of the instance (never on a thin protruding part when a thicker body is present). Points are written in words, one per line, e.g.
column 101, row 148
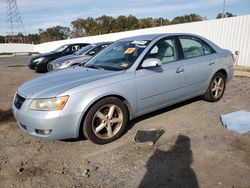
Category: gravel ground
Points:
column 195, row 150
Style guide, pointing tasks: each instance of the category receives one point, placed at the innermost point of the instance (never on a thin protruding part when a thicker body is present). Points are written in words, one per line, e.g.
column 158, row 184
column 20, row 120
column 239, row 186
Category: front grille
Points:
column 18, row 102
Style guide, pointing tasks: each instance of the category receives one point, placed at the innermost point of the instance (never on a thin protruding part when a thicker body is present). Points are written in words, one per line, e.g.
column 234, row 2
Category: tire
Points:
column 105, row 121
column 216, row 88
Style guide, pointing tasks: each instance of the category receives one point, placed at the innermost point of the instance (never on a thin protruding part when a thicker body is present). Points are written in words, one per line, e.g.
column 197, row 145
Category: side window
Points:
column 94, row 51
column 194, row 47
column 207, row 49
column 75, row 48
column 165, row 50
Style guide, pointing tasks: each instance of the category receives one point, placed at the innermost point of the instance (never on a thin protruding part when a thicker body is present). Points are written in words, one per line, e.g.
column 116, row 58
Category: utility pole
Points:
column 14, row 22
column 223, row 10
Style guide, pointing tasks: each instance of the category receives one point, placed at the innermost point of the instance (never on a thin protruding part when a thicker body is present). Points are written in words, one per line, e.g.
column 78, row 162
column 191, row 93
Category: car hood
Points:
column 53, row 83
column 46, row 55
column 65, row 58
column 80, row 59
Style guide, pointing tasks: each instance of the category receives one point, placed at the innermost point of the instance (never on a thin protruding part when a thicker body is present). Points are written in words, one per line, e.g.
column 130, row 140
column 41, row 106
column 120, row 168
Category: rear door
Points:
column 199, row 59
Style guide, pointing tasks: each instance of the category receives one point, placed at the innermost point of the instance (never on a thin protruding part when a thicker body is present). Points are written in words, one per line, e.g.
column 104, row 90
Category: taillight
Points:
column 233, row 57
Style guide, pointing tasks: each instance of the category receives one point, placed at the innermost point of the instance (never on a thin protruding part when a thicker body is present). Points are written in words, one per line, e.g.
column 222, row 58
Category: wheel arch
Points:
column 120, row 97
column 223, row 71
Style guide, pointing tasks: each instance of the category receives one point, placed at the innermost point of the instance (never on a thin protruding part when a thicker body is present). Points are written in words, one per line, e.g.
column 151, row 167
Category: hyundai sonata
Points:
column 131, row 77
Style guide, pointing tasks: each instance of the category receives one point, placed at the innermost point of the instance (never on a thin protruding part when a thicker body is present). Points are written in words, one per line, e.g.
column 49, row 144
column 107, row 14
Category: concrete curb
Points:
column 241, row 71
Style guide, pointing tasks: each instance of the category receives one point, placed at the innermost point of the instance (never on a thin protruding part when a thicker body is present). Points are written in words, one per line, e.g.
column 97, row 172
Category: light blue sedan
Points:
column 132, row 77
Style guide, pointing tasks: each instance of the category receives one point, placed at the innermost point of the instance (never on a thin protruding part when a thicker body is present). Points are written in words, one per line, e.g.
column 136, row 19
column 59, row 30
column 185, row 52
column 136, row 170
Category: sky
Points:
column 47, row 13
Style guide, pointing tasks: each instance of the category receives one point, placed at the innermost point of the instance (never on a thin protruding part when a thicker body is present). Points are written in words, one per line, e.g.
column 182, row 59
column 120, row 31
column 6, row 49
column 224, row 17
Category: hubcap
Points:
column 218, row 87
column 107, row 121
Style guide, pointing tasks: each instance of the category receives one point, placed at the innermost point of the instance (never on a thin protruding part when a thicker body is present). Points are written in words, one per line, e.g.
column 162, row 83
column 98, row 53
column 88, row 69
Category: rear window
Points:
column 194, row 47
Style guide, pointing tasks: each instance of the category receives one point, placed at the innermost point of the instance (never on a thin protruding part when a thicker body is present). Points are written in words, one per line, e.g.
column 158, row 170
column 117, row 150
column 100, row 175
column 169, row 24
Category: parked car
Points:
column 40, row 62
column 131, row 77
column 78, row 58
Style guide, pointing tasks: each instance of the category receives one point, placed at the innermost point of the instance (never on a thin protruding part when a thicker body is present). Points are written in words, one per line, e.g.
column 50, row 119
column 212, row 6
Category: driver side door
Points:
column 162, row 85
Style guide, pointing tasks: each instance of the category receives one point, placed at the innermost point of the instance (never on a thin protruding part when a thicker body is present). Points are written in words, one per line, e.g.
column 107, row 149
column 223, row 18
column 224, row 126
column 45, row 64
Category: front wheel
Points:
column 216, row 88
column 105, row 121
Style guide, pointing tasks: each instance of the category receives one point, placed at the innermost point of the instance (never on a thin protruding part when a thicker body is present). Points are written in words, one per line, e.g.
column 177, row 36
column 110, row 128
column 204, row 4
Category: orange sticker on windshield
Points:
column 129, row 51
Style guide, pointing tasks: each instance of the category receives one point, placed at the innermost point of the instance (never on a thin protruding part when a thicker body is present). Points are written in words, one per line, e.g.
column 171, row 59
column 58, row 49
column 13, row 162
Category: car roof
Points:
column 70, row 44
column 153, row 36
column 101, row 43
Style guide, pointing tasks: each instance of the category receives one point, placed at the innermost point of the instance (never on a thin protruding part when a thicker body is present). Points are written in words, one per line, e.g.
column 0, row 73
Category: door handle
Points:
column 179, row 70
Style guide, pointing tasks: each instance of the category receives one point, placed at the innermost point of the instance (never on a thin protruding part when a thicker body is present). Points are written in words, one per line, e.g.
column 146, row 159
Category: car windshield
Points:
column 61, row 48
column 84, row 49
column 119, row 56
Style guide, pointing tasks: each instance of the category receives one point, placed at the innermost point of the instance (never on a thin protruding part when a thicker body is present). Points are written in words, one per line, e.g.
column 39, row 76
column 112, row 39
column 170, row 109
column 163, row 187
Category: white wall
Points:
column 230, row 33
column 15, row 48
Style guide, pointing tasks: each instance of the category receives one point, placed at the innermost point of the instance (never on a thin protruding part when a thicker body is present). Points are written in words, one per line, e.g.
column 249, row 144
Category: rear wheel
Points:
column 216, row 88
column 105, row 121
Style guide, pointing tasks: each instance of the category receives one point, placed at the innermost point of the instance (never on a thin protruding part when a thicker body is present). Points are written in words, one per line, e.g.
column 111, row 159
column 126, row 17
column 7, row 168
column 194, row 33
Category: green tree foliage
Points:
column 2, row 39
column 101, row 25
column 54, row 33
column 107, row 24
column 78, row 28
column 226, row 15
column 33, row 38
column 187, row 19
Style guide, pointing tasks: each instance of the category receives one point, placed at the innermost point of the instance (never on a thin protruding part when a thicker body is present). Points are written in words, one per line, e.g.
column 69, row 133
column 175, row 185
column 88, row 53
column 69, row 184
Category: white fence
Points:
column 10, row 48
column 230, row 33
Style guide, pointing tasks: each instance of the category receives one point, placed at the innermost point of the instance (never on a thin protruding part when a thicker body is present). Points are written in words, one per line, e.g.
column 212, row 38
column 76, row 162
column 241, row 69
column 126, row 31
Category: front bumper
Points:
column 32, row 66
column 41, row 66
column 60, row 125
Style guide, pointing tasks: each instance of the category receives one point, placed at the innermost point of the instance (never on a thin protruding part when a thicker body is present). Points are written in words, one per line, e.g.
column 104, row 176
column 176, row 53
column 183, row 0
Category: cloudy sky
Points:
column 46, row 13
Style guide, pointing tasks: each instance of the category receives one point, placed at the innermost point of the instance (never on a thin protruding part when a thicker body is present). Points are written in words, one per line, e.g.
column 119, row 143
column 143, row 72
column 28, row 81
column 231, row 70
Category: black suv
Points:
column 40, row 62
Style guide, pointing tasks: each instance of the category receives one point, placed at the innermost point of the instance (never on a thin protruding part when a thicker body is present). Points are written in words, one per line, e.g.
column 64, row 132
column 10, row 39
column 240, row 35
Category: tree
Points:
column 2, row 39
column 187, row 19
column 146, row 23
column 226, row 15
column 54, row 33
column 33, row 38
column 107, row 24
column 161, row 21
column 121, row 24
column 132, row 22
column 78, row 28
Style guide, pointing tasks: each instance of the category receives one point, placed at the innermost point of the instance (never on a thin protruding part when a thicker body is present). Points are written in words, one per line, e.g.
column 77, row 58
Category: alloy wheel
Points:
column 218, row 85
column 107, row 121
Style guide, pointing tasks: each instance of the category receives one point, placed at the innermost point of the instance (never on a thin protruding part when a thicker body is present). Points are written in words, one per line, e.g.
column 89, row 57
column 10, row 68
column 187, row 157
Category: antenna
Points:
column 15, row 24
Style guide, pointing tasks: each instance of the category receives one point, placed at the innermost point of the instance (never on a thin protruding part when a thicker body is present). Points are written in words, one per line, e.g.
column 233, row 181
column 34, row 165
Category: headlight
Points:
column 38, row 60
column 50, row 104
column 62, row 64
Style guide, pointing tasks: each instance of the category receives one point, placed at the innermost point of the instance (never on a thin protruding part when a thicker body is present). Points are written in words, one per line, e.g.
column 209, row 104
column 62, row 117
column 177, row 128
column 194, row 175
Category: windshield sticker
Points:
column 139, row 42
column 129, row 51
column 124, row 64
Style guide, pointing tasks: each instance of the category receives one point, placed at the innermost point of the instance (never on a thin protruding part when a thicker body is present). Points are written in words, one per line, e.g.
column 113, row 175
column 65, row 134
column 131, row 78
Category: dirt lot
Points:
column 195, row 150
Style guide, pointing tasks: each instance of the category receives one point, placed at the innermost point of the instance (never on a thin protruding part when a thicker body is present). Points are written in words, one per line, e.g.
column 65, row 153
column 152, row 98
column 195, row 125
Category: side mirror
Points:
column 151, row 62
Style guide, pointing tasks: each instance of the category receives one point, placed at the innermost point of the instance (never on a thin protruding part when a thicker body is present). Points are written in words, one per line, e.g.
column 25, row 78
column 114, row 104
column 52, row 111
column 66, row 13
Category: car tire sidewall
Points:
column 87, row 123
